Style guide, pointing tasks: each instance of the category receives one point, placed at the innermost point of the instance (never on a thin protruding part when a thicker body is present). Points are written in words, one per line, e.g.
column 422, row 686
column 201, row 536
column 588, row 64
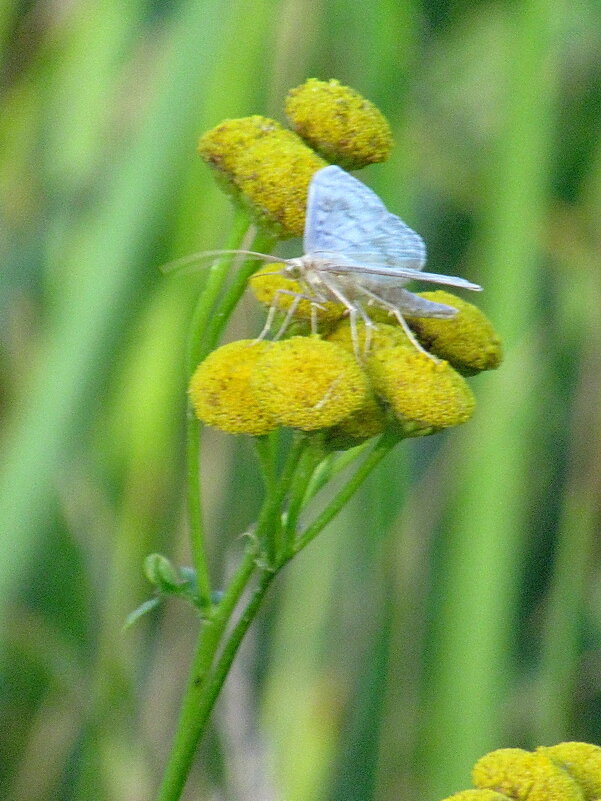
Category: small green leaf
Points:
column 160, row 572
column 134, row 616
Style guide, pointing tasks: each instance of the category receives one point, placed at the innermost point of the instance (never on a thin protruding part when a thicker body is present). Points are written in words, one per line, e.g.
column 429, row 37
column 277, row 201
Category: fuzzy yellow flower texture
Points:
column 583, row 763
column 266, row 167
column 418, row 389
column 221, row 393
column 339, row 123
column 309, row 384
column 525, row 776
column 467, row 341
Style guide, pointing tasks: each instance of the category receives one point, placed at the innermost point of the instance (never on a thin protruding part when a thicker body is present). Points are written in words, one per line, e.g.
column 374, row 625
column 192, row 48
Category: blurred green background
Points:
column 455, row 606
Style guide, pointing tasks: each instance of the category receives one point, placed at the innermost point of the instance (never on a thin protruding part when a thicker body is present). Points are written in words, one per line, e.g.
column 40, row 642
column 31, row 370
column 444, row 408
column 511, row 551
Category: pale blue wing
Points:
column 345, row 217
column 375, row 271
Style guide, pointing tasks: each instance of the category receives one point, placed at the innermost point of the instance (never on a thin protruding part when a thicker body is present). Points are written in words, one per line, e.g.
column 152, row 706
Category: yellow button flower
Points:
column 309, row 384
column 420, row 391
column 339, row 123
column 221, row 393
column 266, row 167
column 583, row 763
column 525, row 776
column 467, row 341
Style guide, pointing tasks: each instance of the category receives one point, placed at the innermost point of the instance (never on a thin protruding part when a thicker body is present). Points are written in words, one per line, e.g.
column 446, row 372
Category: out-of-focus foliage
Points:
column 456, row 606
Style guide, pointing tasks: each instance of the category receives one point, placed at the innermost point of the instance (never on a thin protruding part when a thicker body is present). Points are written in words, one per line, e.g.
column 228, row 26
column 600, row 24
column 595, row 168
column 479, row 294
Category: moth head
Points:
column 294, row 269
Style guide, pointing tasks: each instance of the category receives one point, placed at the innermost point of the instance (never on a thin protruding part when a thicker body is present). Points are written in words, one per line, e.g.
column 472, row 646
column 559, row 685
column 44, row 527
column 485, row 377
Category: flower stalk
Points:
column 321, row 379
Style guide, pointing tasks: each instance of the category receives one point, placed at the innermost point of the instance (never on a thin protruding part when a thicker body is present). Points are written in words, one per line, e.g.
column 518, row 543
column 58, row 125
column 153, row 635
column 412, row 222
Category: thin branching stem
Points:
column 386, row 442
column 197, row 350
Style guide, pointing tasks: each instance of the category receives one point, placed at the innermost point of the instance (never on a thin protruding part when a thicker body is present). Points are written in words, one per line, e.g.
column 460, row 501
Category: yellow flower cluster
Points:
column 252, row 387
column 268, row 168
column 565, row 772
column 340, row 124
column 320, row 383
column 313, row 383
column 467, row 341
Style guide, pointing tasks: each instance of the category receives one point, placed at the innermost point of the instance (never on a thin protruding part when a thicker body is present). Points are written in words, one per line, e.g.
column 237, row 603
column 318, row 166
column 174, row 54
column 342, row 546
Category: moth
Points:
column 359, row 254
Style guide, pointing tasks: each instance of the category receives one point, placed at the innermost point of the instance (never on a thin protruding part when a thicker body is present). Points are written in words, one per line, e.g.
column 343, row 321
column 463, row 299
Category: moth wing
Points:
column 346, row 217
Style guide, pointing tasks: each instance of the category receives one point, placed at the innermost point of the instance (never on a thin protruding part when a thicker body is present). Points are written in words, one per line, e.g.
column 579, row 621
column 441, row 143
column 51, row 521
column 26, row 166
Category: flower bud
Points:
column 339, row 123
column 265, row 167
column 306, row 383
column 421, row 392
column 160, row 572
column 221, row 393
column 525, row 776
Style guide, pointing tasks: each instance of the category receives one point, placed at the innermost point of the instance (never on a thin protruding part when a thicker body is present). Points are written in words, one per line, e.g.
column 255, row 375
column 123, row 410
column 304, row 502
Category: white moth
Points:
column 359, row 254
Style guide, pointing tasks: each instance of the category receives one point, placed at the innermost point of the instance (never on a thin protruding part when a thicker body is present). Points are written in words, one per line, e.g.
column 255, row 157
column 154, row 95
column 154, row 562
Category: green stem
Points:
column 266, row 449
column 329, row 468
column 197, row 349
column 214, row 683
column 191, row 723
column 308, row 462
column 199, row 342
column 203, row 686
column 386, row 442
column 269, row 525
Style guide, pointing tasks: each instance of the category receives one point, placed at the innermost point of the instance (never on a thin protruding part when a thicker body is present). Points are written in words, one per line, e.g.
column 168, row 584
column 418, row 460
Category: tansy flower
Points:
column 339, row 123
column 306, row 383
column 265, row 167
column 221, row 393
column 582, row 761
column 468, row 341
column 478, row 795
column 274, row 289
column 525, row 776
column 422, row 393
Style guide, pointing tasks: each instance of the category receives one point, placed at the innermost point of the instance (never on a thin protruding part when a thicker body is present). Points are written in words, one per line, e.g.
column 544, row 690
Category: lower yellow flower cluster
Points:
column 566, row 772
column 467, row 341
column 317, row 383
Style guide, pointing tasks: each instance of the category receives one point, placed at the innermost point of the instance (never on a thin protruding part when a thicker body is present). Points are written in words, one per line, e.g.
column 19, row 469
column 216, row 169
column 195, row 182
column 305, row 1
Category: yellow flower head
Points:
column 468, row 340
column 422, row 393
column 382, row 335
column 266, row 167
column 477, row 795
column 582, row 761
column 220, row 389
column 525, row 776
column 306, row 383
column 338, row 123
column 270, row 287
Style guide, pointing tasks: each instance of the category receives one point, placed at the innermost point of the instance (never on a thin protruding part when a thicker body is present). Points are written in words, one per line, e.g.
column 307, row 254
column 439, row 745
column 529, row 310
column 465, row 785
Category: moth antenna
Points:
column 194, row 259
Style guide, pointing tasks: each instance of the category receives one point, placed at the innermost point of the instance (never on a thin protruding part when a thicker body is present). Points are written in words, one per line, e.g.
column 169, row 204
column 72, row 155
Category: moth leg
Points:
column 353, row 309
column 401, row 321
column 289, row 315
column 274, row 308
column 369, row 326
